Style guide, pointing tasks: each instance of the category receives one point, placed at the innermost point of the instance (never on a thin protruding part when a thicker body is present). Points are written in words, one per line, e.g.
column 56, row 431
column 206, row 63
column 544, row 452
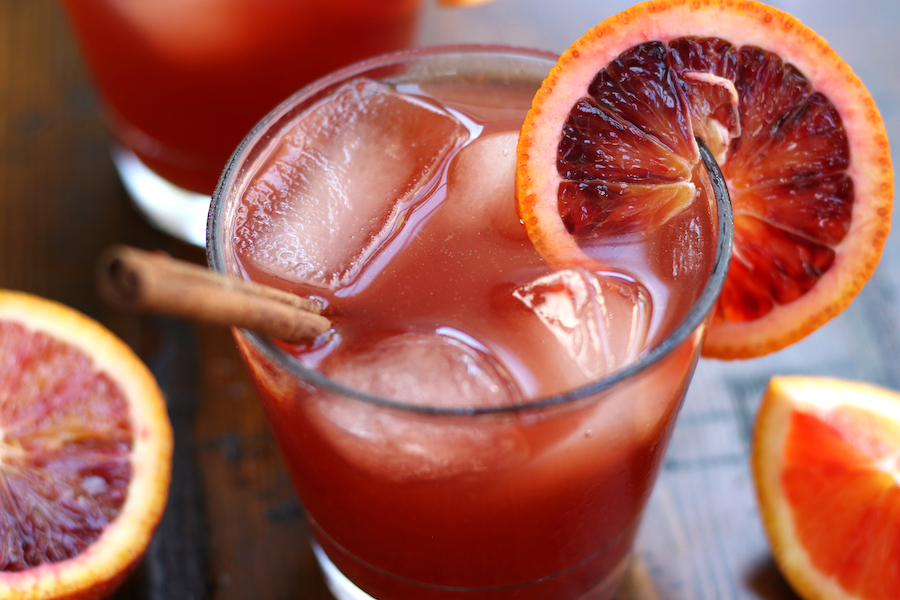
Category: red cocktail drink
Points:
column 184, row 80
column 478, row 424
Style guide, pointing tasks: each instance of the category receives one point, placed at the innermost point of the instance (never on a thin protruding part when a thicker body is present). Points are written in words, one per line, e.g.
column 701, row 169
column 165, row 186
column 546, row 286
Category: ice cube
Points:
column 423, row 369
column 481, row 187
column 601, row 321
column 427, row 369
column 337, row 187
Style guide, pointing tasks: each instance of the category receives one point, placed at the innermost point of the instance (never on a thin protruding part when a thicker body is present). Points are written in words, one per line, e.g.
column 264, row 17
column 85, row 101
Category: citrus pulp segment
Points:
column 85, row 453
column 609, row 144
column 827, row 475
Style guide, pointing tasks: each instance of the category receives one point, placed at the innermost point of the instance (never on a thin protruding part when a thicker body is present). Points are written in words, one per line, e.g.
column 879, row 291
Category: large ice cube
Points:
column 600, row 322
column 335, row 190
column 481, row 187
column 422, row 369
column 427, row 369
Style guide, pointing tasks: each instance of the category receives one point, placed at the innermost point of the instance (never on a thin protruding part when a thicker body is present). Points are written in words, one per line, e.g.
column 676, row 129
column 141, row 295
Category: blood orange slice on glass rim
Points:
column 826, row 465
column 609, row 146
column 85, row 453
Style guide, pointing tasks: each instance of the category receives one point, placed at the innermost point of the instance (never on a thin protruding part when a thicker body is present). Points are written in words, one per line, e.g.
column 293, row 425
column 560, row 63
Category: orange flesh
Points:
column 846, row 508
column 785, row 160
column 65, row 441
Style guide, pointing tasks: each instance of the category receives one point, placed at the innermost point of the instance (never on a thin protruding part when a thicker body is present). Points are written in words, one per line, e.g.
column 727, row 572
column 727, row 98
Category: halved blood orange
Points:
column 826, row 464
column 609, row 143
column 85, row 453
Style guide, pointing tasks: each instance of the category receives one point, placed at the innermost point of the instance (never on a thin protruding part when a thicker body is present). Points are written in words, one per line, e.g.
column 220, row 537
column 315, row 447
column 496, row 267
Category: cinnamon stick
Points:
column 154, row 282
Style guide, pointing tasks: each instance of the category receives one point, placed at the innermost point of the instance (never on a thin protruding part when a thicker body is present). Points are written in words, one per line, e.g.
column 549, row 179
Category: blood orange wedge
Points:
column 609, row 146
column 85, row 453
column 826, row 463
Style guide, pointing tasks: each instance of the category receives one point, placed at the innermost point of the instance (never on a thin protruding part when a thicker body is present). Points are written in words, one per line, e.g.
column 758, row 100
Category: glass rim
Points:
column 696, row 315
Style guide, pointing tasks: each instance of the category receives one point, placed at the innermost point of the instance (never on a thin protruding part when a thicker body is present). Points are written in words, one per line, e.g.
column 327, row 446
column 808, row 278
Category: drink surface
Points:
column 185, row 80
column 396, row 209
column 394, row 205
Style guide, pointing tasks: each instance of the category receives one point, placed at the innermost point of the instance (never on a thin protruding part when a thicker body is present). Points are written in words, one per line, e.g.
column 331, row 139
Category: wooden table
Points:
column 233, row 528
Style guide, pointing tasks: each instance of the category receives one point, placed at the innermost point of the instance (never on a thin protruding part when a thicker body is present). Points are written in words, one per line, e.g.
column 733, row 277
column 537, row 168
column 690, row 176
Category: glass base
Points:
column 341, row 587
column 172, row 209
column 344, row 589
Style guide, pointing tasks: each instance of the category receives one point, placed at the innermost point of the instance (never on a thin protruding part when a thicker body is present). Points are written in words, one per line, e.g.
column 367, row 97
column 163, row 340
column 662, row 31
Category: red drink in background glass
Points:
column 479, row 425
column 184, row 80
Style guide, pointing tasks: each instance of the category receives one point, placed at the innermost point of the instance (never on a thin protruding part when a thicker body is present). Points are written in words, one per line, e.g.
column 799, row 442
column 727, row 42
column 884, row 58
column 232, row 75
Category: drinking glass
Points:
column 184, row 80
column 448, row 514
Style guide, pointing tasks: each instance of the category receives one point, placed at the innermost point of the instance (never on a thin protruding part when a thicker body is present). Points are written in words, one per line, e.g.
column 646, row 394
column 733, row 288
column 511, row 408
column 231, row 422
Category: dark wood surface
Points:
column 233, row 528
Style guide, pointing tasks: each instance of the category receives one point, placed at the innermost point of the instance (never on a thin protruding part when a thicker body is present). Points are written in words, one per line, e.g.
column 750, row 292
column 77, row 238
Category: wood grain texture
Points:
column 234, row 529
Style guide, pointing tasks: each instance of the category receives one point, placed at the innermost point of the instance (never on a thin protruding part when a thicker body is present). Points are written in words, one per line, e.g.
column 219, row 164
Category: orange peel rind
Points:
column 828, row 285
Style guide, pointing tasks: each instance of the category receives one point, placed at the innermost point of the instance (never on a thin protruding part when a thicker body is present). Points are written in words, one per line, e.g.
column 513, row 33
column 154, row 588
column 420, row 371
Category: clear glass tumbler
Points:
column 184, row 80
column 556, row 523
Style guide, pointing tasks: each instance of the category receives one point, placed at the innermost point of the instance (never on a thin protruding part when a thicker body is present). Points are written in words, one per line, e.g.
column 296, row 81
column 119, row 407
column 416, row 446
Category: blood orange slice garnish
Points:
column 85, row 453
column 463, row 2
column 826, row 464
column 609, row 146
